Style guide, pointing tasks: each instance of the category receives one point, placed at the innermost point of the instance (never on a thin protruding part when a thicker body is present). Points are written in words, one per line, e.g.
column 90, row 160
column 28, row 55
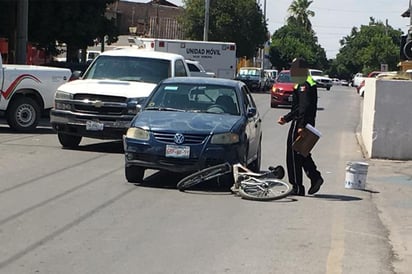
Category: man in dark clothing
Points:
column 303, row 112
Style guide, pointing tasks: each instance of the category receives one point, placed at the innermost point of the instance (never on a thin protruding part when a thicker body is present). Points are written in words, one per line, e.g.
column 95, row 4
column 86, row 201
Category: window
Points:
column 180, row 69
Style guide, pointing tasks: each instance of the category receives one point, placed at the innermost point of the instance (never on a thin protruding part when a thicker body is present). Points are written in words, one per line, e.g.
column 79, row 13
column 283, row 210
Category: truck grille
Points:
column 167, row 137
column 100, row 104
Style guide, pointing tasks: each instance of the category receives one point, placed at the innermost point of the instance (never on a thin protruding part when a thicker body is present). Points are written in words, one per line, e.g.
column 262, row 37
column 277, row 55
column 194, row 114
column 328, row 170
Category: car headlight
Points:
column 61, row 95
column 137, row 133
column 225, row 138
column 59, row 98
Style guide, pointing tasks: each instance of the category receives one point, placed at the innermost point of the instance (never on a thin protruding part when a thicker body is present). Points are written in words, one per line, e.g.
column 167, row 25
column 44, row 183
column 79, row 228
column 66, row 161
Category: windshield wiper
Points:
column 165, row 109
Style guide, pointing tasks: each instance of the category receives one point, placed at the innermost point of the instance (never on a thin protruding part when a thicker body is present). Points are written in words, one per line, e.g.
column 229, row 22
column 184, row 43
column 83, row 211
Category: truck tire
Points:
column 23, row 114
column 134, row 174
column 69, row 141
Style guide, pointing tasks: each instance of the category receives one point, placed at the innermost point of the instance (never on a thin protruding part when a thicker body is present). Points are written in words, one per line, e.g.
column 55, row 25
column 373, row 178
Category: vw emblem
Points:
column 179, row 138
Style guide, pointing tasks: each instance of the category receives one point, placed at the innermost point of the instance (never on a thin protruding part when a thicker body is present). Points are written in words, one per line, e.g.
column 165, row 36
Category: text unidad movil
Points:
column 203, row 51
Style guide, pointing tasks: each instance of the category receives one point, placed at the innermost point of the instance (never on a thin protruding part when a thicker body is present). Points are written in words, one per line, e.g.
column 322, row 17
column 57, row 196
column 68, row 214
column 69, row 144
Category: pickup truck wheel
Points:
column 328, row 88
column 69, row 141
column 134, row 174
column 23, row 114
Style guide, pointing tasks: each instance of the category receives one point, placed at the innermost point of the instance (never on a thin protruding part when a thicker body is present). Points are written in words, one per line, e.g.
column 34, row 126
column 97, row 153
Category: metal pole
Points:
column 22, row 23
column 262, row 52
column 206, row 27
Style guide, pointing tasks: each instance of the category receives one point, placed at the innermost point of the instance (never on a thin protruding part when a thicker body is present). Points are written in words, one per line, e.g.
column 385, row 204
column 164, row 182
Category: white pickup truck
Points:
column 322, row 81
column 197, row 70
column 27, row 92
column 103, row 102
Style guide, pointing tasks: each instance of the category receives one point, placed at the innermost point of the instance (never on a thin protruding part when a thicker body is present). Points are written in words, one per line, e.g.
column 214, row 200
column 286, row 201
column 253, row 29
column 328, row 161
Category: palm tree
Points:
column 300, row 13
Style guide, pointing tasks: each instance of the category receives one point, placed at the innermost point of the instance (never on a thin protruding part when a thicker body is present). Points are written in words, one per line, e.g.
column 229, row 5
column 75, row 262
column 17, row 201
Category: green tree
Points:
column 297, row 39
column 76, row 23
column 300, row 13
column 364, row 50
column 239, row 21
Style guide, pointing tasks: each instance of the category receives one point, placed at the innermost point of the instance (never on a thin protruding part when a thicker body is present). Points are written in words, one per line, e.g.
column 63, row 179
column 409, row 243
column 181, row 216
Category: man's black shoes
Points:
column 315, row 186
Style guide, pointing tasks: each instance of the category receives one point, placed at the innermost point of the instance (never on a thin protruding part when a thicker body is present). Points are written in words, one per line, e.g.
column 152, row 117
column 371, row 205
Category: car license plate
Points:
column 177, row 151
column 94, row 126
column 290, row 98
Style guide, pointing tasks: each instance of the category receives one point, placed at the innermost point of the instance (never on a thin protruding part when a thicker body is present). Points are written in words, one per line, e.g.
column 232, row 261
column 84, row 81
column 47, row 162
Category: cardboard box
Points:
column 306, row 140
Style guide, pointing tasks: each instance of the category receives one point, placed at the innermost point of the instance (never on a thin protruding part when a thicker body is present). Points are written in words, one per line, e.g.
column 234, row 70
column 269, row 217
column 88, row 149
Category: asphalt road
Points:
column 71, row 211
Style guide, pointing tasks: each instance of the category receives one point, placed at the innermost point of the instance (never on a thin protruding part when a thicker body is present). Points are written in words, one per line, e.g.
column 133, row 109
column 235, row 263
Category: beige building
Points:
column 157, row 18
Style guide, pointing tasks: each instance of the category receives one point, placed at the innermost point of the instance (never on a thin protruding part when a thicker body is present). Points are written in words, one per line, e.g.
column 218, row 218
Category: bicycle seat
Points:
column 278, row 172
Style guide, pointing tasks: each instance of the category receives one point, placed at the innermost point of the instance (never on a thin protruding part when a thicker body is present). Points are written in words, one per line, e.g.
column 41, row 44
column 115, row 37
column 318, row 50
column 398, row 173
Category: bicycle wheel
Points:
column 266, row 190
column 204, row 175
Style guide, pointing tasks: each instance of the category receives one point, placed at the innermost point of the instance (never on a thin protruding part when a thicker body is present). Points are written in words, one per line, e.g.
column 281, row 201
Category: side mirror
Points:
column 251, row 112
column 77, row 74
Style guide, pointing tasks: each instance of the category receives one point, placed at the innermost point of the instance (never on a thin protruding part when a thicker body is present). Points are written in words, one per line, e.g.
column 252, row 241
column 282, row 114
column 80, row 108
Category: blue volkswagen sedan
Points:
column 190, row 123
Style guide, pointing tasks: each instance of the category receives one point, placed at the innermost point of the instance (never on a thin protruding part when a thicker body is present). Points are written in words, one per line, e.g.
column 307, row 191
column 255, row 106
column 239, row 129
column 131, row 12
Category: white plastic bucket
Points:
column 356, row 173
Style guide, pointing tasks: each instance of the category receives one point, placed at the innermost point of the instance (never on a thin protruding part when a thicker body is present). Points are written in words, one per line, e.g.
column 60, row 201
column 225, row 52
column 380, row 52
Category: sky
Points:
column 335, row 19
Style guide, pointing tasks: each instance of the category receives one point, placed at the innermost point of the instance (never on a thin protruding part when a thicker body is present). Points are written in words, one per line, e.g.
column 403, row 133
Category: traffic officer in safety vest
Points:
column 303, row 112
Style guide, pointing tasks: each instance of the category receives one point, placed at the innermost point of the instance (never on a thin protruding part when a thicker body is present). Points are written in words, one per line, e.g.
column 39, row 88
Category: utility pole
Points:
column 262, row 52
column 206, row 27
column 22, row 23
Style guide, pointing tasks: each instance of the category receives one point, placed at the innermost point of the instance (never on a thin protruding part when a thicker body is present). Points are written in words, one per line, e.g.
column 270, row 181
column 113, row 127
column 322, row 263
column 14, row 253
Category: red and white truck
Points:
column 27, row 92
column 216, row 57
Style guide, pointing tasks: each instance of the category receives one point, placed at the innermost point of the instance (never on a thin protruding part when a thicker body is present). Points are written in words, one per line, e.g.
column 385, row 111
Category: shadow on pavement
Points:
column 104, row 147
column 336, row 197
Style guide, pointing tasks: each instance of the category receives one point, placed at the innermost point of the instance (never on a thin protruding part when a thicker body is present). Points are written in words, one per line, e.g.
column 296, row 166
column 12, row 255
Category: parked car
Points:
column 361, row 87
column 344, row 82
column 322, row 81
column 253, row 77
column 281, row 92
column 336, row 82
column 272, row 74
column 190, row 123
column 357, row 79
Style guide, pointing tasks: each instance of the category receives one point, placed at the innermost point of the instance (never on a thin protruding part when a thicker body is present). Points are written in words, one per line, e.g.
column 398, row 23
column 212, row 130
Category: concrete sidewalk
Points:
column 390, row 185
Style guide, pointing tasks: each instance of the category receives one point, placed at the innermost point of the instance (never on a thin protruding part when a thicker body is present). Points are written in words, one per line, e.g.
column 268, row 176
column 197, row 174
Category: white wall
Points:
column 387, row 119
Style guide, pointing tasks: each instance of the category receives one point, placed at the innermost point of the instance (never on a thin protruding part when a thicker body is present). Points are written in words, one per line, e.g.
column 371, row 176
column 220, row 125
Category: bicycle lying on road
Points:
column 249, row 185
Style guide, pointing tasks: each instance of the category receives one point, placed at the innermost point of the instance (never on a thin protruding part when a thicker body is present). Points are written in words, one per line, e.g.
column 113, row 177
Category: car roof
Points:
column 203, row 80
column 133, row 52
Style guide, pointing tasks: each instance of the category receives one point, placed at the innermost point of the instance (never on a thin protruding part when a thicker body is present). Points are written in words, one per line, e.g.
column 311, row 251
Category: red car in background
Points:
column 282, row 89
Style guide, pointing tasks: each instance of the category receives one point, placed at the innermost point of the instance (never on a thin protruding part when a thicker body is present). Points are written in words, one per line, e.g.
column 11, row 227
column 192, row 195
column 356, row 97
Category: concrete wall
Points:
column 387, row 119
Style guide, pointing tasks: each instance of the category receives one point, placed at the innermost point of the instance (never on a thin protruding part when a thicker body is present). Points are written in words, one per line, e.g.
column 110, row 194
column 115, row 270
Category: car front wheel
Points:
column 69, row 141
column 134, row 174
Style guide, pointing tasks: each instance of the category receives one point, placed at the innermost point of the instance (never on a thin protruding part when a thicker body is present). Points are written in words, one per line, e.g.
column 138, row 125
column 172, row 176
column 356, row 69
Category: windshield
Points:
column 249, row 72
column 284, row 78
column 195, row 98
column 126, row 68
column 316, row 72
